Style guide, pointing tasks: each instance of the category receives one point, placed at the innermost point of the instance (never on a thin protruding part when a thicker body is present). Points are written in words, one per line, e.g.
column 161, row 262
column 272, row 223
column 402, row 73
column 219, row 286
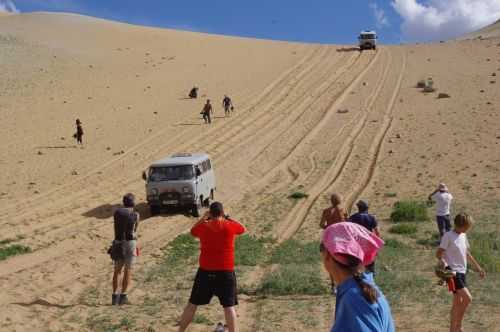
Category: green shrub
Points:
column 291, row 279
column 13, row 250
column 406, row 229
column 298, row 195
column 409, row 211
column 390, row 195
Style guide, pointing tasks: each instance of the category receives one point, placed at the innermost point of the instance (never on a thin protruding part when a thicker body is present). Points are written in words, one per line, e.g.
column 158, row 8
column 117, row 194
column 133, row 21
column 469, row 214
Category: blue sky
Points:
column 324, row 21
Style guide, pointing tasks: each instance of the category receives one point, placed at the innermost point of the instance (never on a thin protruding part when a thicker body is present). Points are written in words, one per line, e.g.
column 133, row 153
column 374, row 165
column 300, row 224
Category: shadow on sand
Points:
column 57, row 147
column 46, row 303
column 106, row 211
column 348, row 49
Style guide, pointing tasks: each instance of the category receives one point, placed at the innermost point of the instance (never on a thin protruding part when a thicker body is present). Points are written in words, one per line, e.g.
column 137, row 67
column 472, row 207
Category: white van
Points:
column 181, row 180
column 367, row 40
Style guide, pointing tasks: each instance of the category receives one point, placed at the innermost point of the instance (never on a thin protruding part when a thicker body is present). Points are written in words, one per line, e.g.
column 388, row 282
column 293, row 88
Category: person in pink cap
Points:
column 346, row 248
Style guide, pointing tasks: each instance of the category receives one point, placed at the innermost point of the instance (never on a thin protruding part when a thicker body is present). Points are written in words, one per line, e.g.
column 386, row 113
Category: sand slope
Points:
column 127, row 84
column 491, row 31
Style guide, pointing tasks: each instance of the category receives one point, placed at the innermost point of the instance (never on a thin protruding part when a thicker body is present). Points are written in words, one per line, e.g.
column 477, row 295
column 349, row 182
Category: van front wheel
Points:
column 197, row 208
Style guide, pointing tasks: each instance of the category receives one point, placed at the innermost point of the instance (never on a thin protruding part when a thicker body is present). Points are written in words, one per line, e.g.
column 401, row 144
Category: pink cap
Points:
column 352, row 239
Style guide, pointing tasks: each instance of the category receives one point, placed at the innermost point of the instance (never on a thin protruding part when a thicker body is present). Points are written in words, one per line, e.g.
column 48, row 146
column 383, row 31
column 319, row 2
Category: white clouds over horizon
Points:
column 8, row 6
column 444, row 19
column 381, row 19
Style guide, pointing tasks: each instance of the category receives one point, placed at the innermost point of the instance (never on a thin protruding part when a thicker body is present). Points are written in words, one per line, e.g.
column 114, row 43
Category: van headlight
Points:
column 154, row 192
column 186, row 190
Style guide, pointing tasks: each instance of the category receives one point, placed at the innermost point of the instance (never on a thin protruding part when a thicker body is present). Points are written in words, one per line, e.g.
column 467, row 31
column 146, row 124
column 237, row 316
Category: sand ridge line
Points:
column 297, row 215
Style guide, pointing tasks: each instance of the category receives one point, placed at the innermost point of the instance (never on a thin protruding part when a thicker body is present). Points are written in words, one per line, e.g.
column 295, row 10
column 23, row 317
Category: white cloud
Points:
column 381, row 20
column 444, row 19
column 8, row 6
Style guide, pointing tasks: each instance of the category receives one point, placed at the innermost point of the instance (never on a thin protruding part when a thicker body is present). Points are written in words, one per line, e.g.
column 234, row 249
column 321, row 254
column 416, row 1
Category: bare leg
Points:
column 187, row 317
column 116, row 275
column 466, row 299
column 127, row 275
column 230, row 315
column 454, row 311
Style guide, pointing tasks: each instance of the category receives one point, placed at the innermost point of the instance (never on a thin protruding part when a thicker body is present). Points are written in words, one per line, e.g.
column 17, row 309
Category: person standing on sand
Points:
column 334, row 214
column 207, row 111
column 368, row 221
column 126, row 220
column 215, row 275
column 79, row 132
column 453, row 253
column 360, row 305
column 443, row 201
column 228, row 105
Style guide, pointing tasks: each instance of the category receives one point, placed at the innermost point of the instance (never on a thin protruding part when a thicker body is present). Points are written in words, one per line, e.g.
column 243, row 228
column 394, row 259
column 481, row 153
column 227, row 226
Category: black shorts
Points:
column 460, row 281
column 219, row 283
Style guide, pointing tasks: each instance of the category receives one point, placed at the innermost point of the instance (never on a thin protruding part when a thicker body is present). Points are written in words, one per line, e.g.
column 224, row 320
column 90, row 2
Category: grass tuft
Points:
column 394, row 243
column 409, row 211
column 404, row 229
column 13, row 250
column 485, row 247
column 295, row 252
column 201, row 319
column 291, row 279
column 250, row 250
column 298, row 195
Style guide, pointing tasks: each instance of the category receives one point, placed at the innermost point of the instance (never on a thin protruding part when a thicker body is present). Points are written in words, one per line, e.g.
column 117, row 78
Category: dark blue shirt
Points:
column 364, row 219
column 354, row 313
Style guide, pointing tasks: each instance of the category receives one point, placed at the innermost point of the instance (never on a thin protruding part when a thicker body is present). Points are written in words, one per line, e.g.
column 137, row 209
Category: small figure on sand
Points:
column 228, row 105
column 193, row 94
column 79, row 132
column 207, row 111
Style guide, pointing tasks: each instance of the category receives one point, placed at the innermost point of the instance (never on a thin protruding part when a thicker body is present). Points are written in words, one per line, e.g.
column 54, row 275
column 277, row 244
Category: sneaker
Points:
column 219, row 328
column 115, row 299
column 123, row 299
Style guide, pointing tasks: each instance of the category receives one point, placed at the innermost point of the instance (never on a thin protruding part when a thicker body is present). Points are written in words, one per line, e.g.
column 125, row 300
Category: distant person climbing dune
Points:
column 79, row 132
column 443, row 199
column 334, row 214
column 207, row 112
column 227, row 103
column 193, row 94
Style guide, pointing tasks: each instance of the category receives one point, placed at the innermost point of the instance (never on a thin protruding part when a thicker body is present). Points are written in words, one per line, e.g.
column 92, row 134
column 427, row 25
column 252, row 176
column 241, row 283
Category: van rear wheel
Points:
column 154, row 210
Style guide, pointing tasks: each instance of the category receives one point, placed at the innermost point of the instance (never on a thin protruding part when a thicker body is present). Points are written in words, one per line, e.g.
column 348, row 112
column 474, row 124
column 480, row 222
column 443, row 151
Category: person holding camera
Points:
column 215, row 275
column 126, row 220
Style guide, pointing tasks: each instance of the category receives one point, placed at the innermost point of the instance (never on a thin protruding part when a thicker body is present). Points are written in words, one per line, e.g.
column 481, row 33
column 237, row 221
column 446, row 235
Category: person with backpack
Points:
column 228, row 105
column 360, row 305
column 368, row 221
column 443, row 199
column 126, row 221
column 215, row 275
column 193, row 94
column 207, row 111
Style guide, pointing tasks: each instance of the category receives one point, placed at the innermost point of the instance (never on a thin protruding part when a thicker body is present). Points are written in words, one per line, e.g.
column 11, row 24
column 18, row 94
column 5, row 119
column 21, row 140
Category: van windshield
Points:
column 171, row 173
column 367, row 36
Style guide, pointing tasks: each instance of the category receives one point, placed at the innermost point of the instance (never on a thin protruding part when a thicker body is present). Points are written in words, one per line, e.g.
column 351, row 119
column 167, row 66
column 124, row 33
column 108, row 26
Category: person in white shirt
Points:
column 443, row 201
column 453, row 253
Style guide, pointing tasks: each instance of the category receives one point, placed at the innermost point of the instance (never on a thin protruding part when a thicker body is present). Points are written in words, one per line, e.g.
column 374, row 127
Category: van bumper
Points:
column 180, row 201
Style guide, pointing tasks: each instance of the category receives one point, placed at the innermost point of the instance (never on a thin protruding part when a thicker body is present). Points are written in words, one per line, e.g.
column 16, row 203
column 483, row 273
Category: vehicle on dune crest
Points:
column 182, row 180
column 367, row 40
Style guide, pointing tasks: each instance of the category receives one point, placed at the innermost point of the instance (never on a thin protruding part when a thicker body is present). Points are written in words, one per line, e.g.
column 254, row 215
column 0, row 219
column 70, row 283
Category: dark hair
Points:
column 362, row 206
column 369, row 292
column 216, row 209
column 129, row 200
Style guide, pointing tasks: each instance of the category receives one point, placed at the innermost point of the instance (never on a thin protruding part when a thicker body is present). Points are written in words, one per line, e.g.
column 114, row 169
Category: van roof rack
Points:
column 182, row 154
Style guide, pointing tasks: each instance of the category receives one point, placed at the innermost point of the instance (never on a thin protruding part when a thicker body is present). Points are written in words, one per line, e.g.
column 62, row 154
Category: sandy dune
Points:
column 128, row 85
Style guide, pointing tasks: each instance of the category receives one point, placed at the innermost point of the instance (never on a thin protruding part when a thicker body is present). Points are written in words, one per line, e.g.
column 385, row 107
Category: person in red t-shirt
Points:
column 215, row 275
